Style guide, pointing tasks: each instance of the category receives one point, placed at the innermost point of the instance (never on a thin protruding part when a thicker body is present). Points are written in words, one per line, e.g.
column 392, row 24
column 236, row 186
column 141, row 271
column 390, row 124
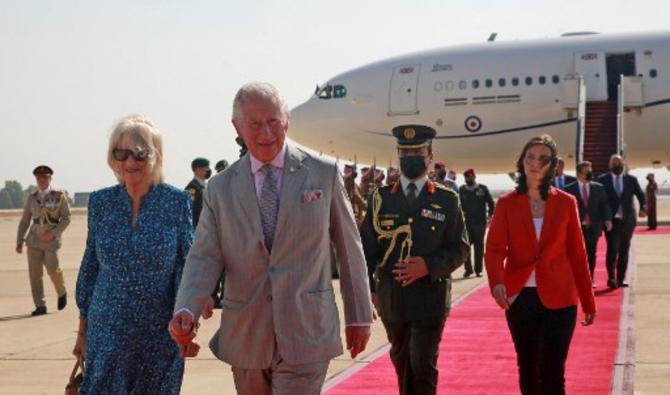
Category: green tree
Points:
column 5, row 199
column 15, row 193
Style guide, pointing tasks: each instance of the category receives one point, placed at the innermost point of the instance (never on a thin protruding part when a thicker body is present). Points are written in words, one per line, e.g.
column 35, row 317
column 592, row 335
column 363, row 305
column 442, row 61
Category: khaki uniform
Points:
column 40, row 215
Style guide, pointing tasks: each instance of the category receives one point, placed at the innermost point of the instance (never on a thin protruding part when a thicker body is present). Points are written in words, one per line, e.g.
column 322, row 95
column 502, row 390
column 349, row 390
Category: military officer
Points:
column 201, row 172
column 414, row 237
column 392, row 175
column 221, row 165
column 354, row 193
column 478, row 207
column 49, row 212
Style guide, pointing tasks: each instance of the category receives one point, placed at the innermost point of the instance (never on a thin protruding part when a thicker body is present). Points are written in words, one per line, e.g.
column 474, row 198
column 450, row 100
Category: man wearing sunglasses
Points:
column 45, row 217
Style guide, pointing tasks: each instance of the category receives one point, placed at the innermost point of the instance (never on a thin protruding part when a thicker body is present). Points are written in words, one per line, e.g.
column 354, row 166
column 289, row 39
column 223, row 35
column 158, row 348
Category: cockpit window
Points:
column 339, row 91
column 329, row 91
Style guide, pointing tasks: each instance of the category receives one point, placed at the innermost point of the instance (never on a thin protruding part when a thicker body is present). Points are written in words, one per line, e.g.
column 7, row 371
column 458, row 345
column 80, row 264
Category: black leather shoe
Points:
column 611, row 283
column 479, row 275
column 62, row 301
column 467, row 274
column 622, row 284
column 41, row 310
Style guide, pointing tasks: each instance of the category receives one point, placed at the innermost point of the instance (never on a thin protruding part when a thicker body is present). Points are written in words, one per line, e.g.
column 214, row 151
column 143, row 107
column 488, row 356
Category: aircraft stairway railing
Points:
column 619, row 117
column 581, row 117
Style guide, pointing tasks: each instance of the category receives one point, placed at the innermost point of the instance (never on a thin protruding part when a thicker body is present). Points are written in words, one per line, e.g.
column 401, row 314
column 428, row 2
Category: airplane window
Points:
column 489, row 82
column 529, row 80
column 515, row 81
column 339, row 91
column 501, row 82
column 542, row 80
column 462, row 84
column 475, row 84
column 325, row 92
column 555, row 79
column 653, row 73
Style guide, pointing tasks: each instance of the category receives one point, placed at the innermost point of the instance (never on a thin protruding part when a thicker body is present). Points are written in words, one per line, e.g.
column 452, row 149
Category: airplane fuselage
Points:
column 486, row 100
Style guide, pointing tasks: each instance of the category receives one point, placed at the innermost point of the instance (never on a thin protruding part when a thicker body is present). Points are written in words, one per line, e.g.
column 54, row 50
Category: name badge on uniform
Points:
column 433, row 215
column 480, row 192
column 386, row 222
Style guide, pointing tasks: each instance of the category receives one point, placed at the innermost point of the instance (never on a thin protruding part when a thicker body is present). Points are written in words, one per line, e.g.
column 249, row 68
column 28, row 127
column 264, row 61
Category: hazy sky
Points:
column 70, row 69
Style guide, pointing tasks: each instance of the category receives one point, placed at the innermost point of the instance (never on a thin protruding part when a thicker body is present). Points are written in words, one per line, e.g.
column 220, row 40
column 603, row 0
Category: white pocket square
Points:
column 312, row 195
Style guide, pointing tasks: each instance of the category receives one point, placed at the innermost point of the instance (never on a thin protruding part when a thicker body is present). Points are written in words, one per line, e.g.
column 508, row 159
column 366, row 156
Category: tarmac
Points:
column 36, row 352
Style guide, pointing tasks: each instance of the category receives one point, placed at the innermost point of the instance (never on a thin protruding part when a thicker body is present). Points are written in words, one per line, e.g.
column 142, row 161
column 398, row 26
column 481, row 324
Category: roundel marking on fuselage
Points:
column 473, row 123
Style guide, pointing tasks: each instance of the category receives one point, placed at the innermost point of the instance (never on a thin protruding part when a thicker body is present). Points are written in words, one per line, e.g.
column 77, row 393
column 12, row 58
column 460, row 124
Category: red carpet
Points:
column 477, row 355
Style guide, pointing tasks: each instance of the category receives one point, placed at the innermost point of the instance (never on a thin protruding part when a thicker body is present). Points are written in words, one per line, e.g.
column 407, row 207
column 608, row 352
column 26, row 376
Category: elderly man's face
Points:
column 263, row 128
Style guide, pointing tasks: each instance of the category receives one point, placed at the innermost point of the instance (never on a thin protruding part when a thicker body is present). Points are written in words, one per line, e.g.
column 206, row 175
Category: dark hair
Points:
column 582, row 165
column 545, row 184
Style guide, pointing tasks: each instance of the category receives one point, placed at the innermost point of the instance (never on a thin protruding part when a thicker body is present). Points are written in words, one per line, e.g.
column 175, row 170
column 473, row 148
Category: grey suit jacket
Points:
column 287, row 296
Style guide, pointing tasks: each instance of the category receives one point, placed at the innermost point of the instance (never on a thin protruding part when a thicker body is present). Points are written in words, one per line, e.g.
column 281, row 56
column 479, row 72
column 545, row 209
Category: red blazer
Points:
column 559, row 258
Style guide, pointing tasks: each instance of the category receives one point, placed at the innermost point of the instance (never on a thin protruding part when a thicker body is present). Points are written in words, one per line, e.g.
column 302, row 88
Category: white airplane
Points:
column 595, row 94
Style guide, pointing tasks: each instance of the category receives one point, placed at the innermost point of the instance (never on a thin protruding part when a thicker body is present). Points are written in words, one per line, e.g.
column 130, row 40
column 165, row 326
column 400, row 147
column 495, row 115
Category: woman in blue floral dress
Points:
column 139, row 233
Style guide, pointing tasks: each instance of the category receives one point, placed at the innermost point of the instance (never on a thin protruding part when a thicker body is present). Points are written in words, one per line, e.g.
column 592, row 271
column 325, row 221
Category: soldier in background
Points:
column 440, row 176
column 478, row 207
column 49, row 213
column 367, row 183
column 201, row 172
column 221, row 166
column 392, row 175
column 379, row 178
column 652, row 190
column 357, row 202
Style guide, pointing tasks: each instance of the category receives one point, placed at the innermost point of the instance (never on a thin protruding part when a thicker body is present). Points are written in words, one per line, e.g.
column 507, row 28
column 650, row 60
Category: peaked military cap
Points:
column 221, row 165
column 413, row 136
column 199, row 162
column 42, row 170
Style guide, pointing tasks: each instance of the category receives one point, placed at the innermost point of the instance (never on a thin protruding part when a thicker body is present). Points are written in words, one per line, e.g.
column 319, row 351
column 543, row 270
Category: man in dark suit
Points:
column 594, row 210
column 414, row 237
column 475, row 199
column 562, row 180
column 620, row 189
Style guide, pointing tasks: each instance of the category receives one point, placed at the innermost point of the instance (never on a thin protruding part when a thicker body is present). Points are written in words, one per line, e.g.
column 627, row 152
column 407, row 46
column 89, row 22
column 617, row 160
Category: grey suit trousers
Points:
column 281, row 378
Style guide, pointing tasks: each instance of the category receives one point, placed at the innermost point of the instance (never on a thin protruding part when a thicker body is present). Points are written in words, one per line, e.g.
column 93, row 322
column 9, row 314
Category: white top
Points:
column 531, row 282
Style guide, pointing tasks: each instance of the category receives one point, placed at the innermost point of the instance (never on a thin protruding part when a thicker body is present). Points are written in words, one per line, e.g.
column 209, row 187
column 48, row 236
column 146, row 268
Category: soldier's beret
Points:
column 469, row 172
column 221, row 165
column 413, row 136
column 42, row 170
column 199, row 162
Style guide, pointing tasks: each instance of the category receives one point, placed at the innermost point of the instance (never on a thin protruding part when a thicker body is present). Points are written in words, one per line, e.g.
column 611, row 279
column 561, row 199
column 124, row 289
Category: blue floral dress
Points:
column 126, row 289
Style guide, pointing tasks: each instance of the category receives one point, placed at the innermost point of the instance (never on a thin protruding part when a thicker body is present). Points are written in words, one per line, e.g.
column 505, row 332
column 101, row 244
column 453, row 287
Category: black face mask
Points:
column 589, row 176
column 208, row 174
column 442, row 174
column 413, row 166
column 469, row 182
column 618, row 169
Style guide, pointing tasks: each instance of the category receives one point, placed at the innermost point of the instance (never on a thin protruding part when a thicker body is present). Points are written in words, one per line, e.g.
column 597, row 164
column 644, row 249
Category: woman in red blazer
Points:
column 537, row 269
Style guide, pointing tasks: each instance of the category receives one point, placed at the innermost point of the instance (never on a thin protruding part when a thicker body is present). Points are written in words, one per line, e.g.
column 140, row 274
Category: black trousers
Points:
column 618, row 245
column 541, row 339
column 414, row 352
column 591, row 242
column 476, row 233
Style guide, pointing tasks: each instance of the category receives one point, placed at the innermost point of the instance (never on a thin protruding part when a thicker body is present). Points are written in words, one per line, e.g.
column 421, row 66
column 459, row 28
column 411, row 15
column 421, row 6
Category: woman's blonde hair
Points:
column 143, row 135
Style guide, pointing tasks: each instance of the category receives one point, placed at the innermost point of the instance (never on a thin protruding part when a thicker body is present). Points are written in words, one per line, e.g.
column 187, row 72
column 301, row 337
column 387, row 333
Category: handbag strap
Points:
column 77, row 365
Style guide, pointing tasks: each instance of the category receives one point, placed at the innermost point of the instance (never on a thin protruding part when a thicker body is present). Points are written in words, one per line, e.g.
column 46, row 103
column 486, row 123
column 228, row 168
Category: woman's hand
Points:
column 499, row 293
column 589, row 318
column 79, row 349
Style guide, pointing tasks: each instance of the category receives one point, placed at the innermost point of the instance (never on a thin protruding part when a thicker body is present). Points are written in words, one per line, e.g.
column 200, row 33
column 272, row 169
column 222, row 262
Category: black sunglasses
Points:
column 121, row 154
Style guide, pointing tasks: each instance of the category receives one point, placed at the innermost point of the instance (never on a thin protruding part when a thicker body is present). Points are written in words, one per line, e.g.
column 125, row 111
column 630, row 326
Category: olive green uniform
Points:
column 42, row 214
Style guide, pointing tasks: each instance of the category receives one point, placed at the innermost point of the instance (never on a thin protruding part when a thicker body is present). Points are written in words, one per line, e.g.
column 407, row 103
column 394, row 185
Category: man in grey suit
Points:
column 268, row 223
column 594, row 210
